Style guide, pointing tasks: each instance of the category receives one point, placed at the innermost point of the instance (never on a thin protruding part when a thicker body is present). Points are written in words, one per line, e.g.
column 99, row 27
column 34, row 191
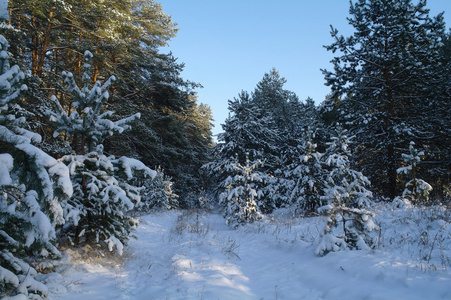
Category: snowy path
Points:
column 190, row 256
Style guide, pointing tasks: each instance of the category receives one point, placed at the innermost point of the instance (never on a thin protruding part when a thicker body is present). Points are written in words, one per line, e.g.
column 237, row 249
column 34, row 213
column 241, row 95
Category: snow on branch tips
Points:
column 86, row 120
column 35, row 188
column 4, row 14
column 349, row 218
column 241, row 193
column 416, row 190
column 104, row 186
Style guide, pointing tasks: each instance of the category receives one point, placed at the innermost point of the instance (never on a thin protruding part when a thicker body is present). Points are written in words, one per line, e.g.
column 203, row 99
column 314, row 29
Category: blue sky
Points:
column 228, row 45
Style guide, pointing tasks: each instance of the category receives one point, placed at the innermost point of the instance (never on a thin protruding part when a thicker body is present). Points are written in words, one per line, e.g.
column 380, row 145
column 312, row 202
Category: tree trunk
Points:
column 34, row 52
column 45, row 44
column 96, row 51
column 391, row 155
column 80, row 56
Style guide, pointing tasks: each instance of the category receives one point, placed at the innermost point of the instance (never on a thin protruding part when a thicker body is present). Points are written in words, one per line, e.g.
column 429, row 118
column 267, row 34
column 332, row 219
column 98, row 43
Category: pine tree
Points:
column 308, row 175
column 174, row 131
column 240, row 197
column 55, row 34
column 124, row 37
column 278, row 107
column 348, row 201
column 245, row 136
column 416, row 190
column 263, row 125
column 285, row 185
column 33, row 185
column 103, row 192
column 157, row 194
column 275, row 101
column 385, row 82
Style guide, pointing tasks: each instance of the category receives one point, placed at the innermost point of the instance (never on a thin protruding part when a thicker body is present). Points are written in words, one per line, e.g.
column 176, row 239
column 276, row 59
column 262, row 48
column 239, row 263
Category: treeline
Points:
column 95, row 123
column 390, row 101
column 49, row 37
column 98, row 117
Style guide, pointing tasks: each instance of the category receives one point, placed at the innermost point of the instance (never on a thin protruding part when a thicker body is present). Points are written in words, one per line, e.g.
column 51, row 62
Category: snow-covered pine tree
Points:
column 279, row 109
column 103, row 193
column 307, row 174
column 157, row 193
column 267, row 126
column 283, row 184
column 390, row 84
column 274, row 101
column 241, row 194
column 33, row 186
column 245, row 136
column 416, row 190
column 349, row 218
column 276, row 190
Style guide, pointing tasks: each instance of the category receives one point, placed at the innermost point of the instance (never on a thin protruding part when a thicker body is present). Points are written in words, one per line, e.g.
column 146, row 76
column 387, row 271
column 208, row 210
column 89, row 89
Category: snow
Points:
column 8, row 277
column 17, row 297
column 55, row 169
column 30, row 284
column 4, row 15
column 6, row 165
column 330, row 243
column 191, row 255
column 130, row 164
column 114, row 242
column 18, row 264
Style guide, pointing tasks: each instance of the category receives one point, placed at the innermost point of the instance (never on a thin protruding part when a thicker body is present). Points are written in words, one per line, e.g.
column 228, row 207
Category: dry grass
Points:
column 97, row 255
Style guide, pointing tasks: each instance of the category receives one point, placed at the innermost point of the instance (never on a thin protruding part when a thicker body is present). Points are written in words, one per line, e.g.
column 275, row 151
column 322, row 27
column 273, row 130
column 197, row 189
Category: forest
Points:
column 97, row 127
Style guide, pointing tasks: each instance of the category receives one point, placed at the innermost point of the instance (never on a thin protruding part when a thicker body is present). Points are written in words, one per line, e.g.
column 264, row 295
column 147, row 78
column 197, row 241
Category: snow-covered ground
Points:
column 191, row 255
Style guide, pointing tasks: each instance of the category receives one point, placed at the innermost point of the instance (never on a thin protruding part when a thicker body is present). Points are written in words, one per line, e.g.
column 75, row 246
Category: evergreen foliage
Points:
column 308, row 174
column 157, row 193
column 34, row 188
column 87, row 125
column 240, row 197
column 389, row 82
column 124, row 38
column 266, row 125
column 244, row 137
column 103, row 192
column 416, row 190
column 390, row 85
column 348, row 216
